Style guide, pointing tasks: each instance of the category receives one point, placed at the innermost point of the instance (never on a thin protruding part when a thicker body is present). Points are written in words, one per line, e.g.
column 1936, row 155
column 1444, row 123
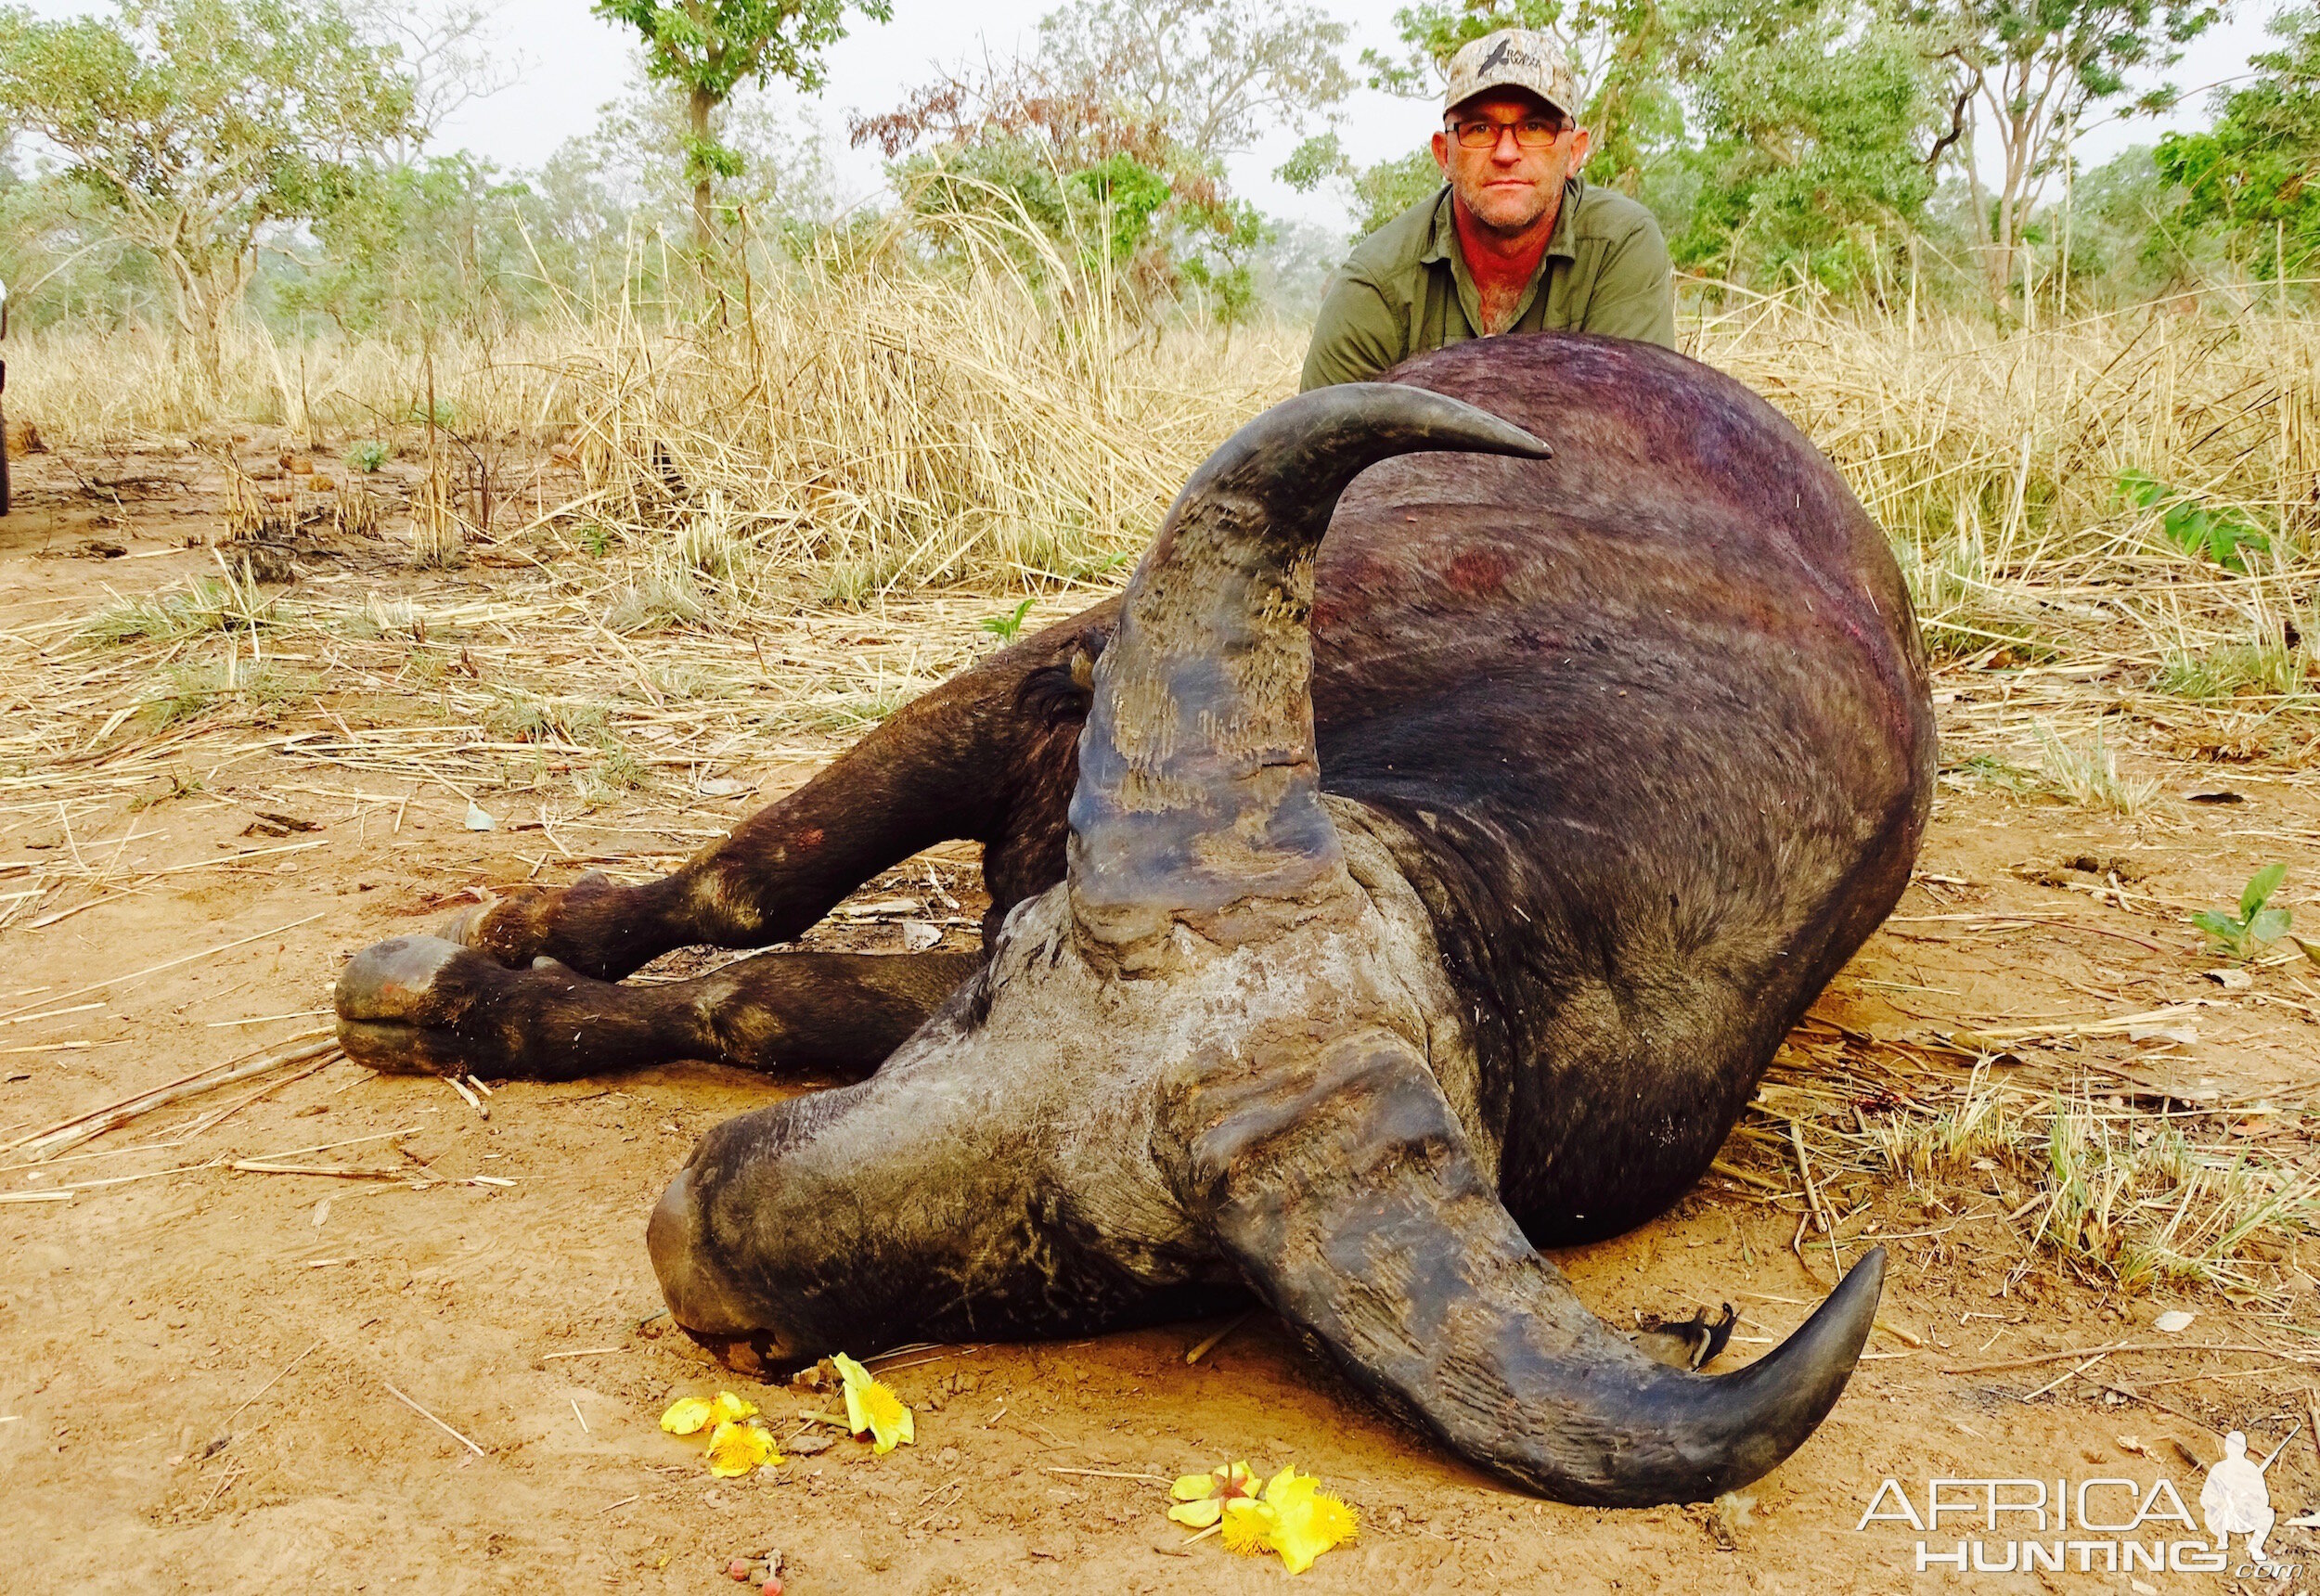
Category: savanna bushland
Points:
column 389, row 525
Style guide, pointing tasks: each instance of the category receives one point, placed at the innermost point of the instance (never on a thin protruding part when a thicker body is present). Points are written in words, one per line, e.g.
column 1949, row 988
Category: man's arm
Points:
column 1635, row 293
column 1355, row 337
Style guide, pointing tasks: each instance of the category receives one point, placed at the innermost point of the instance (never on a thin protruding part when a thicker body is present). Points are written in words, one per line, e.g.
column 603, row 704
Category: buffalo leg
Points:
column 989, row 755
column 424, row 1005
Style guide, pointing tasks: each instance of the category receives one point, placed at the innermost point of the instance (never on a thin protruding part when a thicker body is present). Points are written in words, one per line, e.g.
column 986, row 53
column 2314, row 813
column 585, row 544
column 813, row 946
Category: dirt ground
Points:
column 221, row 1379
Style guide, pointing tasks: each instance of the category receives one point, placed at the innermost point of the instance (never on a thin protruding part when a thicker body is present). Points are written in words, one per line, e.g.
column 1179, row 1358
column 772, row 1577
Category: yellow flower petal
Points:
column 1190, row 1487
column 688, row 1415
column 1248, row 1527
column 735, row 1448
column 1301, row 1522
column 730, row 1410
column 1198, row 1515
column 872, row 1410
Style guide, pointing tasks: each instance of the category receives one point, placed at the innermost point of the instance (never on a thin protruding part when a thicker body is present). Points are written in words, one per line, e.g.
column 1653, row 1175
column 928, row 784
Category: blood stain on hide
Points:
column 1477, row 571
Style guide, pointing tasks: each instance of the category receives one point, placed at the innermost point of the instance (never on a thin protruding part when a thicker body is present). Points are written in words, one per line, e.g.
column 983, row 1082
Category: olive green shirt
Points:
column 1406, row 288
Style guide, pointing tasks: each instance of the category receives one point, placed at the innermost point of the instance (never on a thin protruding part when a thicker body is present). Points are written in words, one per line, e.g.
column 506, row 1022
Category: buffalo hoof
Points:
column 516, row 926
column 405, row 1007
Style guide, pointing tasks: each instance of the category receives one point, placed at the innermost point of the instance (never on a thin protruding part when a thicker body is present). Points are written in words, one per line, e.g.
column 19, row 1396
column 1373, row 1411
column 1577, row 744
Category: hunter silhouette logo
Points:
column 1499, row 52
column 2236, row 1500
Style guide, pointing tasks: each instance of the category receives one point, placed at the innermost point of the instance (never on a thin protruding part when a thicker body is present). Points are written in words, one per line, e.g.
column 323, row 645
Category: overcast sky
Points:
column 569, row 63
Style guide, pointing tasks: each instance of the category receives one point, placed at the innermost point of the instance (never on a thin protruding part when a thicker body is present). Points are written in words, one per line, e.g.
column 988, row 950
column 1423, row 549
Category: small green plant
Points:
column 2199, row 532
column 2264, row 670
column 1004, row 627
column 205, row 604
column 595, row 539
column 1989, row 770
column 2089, row 777
column 2257, row 925
column 369, row 454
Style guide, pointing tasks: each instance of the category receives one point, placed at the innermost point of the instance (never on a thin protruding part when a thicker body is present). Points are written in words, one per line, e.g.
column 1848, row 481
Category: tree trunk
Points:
column 702, row 104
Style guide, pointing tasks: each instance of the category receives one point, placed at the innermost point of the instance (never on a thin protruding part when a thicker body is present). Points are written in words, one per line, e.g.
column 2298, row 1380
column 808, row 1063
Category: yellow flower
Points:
column 1204, row 1495
column 872, row 1410
column 690, row 1415
column 1294, row 1518
column 736, row 1449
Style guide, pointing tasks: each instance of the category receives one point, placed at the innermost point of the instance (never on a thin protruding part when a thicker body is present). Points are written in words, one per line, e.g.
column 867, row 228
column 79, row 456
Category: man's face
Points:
column 1507, row 185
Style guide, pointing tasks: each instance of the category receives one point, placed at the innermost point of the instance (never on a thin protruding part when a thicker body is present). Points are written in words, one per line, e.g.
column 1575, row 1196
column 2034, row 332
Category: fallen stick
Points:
column 211, row 1121
column 124, row 1102
column 341, row 1171
column 91, row 1126
column 472, row 1100
column 167, row 964
column 423, row 1414
column 228, row 1439
column 2069, row 1353
column 1209, row 1346
column 2067, row 1374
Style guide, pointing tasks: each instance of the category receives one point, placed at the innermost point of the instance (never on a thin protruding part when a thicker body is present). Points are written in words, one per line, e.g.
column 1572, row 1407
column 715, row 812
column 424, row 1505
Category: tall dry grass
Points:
column 882, row 425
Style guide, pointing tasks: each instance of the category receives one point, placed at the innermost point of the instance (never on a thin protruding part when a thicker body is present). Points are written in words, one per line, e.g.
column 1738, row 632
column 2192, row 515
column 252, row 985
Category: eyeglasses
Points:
column 1536, row 132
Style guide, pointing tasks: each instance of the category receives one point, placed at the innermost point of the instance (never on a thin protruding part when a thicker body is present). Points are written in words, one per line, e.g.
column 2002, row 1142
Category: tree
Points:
column 1111, row 138
column 2025, row 73
column 195, row 126
column 1812, row 119
column 2256, row 173
column 408, row 248
column 707, row 48
column 1211, row 74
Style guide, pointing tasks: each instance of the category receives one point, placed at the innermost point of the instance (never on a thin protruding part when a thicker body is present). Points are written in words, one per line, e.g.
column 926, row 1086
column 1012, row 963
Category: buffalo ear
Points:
column 1199, row 792
column 1341, row 1184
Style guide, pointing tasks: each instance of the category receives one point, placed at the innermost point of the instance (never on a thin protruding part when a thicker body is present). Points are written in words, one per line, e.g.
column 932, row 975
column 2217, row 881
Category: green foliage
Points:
column 191, row 126
column 1123, row 193
column 2025, row 74
column 2270, row 669
column 1376, row 194
column 1810, row 117
column 2256, row 173
column 369, row 454
column 2217, row 535
column 1004, row 627
column 437, row 244
column 1107, row 145
column 708, row 49
column 2257, row 925
column 204, row 604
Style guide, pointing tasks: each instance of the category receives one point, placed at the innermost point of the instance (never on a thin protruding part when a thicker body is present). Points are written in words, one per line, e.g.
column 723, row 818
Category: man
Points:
column 1516, row 241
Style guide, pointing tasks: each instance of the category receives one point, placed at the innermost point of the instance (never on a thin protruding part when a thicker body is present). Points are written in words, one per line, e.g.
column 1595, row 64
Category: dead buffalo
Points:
column 1366, row 911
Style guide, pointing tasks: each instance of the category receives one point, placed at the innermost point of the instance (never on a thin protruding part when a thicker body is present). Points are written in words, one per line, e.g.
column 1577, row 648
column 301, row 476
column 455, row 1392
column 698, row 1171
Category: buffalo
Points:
column 1418, row 865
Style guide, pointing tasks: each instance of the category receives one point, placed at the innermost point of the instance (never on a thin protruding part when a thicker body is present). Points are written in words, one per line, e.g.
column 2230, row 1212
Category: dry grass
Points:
column 2121, row 1182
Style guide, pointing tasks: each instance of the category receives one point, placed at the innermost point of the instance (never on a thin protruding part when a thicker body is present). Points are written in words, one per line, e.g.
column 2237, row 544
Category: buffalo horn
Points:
column 1198, row 785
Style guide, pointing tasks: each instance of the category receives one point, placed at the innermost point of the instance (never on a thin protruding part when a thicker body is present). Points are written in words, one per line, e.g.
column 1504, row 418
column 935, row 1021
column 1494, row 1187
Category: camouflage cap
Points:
column 1514, row 57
